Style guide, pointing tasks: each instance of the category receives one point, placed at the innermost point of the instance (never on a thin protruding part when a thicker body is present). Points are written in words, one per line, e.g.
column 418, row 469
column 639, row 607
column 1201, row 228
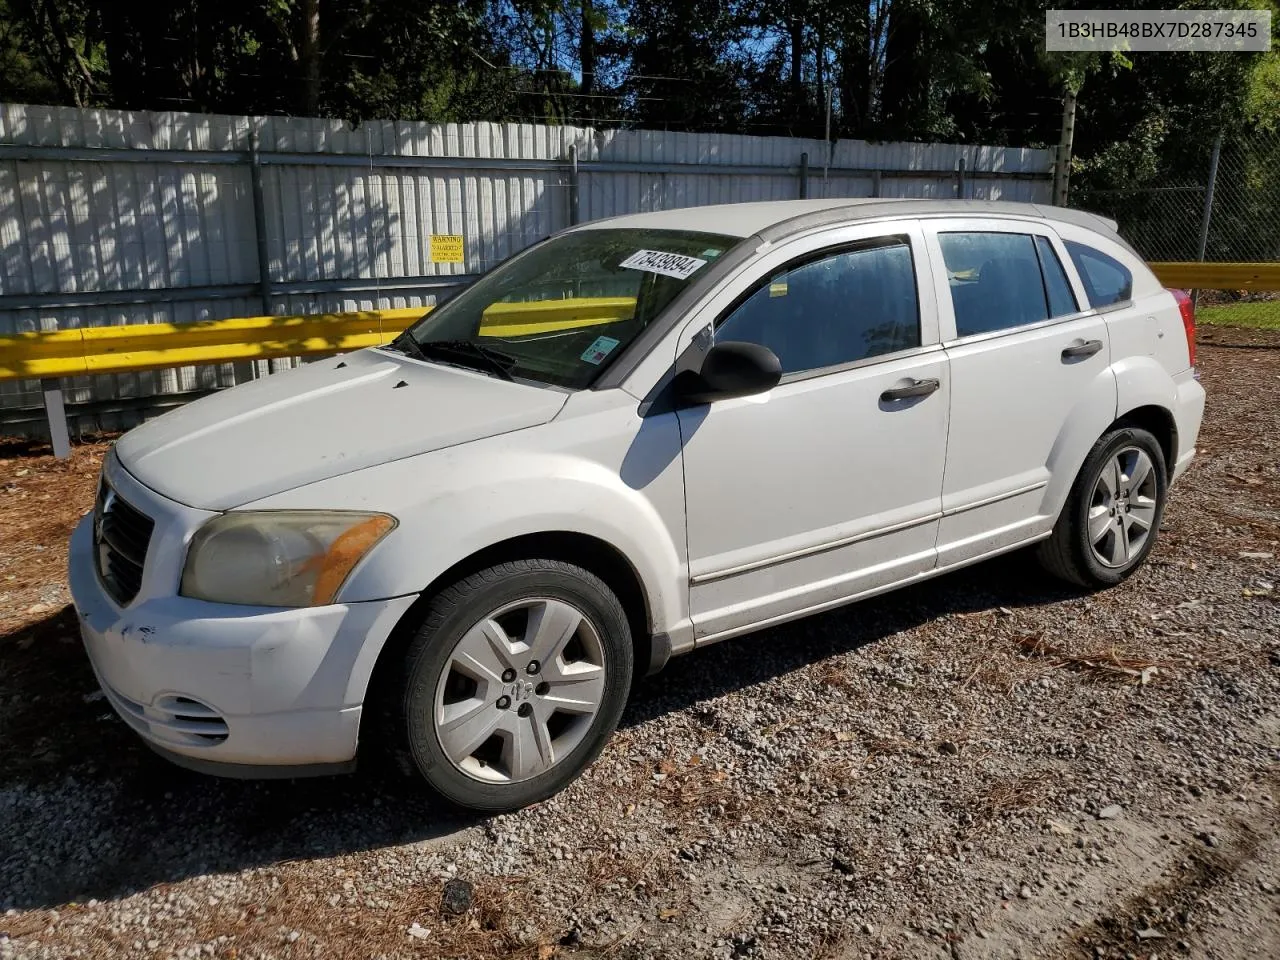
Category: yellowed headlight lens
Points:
column 344, row 553
column 279, row 558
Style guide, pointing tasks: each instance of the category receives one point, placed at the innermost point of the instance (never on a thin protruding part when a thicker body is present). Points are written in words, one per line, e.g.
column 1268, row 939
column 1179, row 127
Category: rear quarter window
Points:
column 1106, row 279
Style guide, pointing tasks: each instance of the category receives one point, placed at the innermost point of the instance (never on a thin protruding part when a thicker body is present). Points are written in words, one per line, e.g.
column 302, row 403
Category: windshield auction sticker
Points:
column 599, row 349
column 668, row 264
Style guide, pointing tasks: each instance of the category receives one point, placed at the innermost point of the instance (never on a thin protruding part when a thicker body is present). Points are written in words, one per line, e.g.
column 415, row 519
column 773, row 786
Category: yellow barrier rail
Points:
column 98, row 350
column 148, row 346
column 1191, row 275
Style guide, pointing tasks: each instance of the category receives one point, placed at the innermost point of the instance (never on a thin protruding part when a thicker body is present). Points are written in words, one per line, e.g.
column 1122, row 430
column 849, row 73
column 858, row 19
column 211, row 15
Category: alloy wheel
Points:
column 1122, row 510
column 520, row 690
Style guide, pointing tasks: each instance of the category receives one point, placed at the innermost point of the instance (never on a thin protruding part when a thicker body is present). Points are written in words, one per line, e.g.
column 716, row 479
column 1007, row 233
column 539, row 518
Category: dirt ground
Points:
column 990, row 765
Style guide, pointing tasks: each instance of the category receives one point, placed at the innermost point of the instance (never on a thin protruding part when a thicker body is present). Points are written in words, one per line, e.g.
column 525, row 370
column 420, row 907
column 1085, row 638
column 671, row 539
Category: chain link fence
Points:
column 1228, row 212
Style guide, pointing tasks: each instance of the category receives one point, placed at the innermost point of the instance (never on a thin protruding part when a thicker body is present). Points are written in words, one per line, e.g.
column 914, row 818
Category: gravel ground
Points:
column 990, row 765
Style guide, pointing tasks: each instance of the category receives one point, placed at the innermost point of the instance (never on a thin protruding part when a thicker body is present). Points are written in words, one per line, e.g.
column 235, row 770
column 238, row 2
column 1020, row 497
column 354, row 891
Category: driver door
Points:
column 830, row 485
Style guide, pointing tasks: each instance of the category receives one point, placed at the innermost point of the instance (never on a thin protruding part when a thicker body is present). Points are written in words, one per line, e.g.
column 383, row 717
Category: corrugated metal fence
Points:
column 113, row 217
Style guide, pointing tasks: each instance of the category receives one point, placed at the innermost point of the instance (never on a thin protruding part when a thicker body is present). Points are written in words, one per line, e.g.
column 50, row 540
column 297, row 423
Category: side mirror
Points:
column 731, row 369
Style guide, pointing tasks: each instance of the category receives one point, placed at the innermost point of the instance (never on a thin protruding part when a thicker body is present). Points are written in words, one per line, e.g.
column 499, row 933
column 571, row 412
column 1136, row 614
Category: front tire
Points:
column 513, row 683
column 1112, row 516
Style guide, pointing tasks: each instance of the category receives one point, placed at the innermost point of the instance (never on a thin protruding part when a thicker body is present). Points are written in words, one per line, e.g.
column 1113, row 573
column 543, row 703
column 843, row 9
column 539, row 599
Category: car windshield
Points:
column 562, row 312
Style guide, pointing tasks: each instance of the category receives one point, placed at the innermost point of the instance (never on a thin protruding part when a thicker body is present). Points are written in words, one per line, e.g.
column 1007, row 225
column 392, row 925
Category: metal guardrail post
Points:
column 1208, row 209
column 260, row 224
column 804, row 175
column 56, row 411
column 574, row 214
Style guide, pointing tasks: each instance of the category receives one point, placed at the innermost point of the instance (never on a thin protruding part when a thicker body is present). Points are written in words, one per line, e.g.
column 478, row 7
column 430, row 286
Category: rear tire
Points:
column 512, row 684
column 1112, row 516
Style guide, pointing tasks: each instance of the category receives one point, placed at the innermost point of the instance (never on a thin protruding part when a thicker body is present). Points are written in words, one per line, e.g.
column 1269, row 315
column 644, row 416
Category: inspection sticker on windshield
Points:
column 668, row 264
column 601, row 348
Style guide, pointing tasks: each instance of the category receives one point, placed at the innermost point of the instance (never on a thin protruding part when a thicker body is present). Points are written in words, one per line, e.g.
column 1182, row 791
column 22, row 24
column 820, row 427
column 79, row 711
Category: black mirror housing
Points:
column 731, row 369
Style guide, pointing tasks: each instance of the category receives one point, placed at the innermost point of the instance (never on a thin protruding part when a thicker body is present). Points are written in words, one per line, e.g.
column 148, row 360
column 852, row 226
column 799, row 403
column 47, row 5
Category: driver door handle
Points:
column 1086, row 349
column 917, row 388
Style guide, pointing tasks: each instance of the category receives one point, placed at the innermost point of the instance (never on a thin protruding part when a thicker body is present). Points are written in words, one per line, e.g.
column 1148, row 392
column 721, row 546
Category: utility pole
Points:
column 1062, row 169
column 826, row 164
column 311, row 57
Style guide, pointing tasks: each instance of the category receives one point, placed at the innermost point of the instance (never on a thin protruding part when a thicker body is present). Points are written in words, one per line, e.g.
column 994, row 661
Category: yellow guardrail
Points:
column 73, row 353
column 93, row 350
column 97, row 350
column 1191, row 275
column 148, row 346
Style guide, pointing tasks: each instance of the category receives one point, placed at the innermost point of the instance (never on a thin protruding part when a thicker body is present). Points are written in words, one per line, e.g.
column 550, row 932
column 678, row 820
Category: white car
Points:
column 637, row 437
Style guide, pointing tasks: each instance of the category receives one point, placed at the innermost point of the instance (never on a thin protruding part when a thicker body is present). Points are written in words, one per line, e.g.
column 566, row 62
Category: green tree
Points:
column 52, row 52
column 684, row 66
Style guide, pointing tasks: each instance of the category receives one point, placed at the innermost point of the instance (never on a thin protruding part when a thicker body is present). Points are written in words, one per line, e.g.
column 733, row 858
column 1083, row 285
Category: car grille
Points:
column 121, row 535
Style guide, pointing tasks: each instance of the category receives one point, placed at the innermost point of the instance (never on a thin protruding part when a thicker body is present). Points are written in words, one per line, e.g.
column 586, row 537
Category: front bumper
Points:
column 229, row 689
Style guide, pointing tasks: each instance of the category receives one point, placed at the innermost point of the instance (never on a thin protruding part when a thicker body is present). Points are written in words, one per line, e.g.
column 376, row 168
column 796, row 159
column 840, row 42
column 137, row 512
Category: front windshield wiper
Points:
column 405, row 344
column 495, row 361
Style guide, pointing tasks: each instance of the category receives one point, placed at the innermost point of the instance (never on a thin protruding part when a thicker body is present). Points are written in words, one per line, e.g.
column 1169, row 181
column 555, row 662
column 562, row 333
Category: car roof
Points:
column 776, row 219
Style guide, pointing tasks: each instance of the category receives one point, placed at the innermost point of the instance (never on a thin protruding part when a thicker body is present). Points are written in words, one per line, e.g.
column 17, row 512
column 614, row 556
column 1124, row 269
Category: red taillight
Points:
column 1188, row 311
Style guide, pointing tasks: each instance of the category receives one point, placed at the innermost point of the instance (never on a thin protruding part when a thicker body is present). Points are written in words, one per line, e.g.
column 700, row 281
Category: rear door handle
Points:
column 1078, row 350
column 917, row 388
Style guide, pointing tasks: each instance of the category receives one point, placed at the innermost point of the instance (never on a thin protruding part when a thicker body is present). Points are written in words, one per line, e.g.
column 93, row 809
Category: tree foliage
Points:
column 961, row 70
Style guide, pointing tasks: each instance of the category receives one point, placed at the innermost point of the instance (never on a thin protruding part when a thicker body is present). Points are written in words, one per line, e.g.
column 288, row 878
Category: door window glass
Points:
column 835, row 309
column 995, row 281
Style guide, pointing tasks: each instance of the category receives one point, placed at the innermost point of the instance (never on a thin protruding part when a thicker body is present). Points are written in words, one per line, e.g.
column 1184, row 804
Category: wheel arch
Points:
column 1159, row 422
column 1068, row 552
column 1147, row 397
column 589, row 552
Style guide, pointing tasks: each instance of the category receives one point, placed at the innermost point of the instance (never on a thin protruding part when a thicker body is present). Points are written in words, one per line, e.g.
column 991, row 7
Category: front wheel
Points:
column 1112, row 516
column 513, row 683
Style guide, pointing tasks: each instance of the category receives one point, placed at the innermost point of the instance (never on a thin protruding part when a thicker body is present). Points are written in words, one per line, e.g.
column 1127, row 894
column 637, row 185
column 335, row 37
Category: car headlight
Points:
column 279, row 558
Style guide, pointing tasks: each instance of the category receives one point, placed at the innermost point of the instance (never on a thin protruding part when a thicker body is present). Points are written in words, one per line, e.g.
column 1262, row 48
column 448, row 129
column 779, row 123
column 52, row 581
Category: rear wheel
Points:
column 1112, row 516
column 513, row 683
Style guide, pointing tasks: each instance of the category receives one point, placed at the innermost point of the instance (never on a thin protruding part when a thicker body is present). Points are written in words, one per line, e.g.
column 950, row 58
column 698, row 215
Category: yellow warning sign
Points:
column 446, row 248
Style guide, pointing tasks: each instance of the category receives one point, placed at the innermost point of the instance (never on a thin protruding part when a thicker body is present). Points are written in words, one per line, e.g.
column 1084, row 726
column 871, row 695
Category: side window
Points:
column 834, row 309
column 1106, row 279
column 999, row 281
column 1061, row 300
column 995, row 281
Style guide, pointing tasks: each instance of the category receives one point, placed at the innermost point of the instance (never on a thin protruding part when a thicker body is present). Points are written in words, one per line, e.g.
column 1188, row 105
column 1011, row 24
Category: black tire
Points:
column 1067, row 554
column 409, row 709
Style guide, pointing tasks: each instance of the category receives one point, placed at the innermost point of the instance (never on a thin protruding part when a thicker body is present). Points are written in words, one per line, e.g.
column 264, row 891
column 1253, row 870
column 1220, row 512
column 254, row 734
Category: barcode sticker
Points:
column 600, row 348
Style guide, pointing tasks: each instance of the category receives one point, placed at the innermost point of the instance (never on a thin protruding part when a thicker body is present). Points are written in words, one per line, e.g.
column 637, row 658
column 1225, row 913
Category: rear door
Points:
column 1028, row 358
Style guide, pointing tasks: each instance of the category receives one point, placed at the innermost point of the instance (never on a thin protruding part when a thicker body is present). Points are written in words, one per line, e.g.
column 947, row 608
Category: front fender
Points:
column 453, row 503
column 453, row 526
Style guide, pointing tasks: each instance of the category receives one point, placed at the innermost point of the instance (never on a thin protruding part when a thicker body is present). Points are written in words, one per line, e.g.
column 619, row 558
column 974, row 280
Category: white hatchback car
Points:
column 634, row 438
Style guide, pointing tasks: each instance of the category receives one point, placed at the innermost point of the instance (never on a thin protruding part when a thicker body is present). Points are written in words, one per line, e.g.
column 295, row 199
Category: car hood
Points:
column 320, row 420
